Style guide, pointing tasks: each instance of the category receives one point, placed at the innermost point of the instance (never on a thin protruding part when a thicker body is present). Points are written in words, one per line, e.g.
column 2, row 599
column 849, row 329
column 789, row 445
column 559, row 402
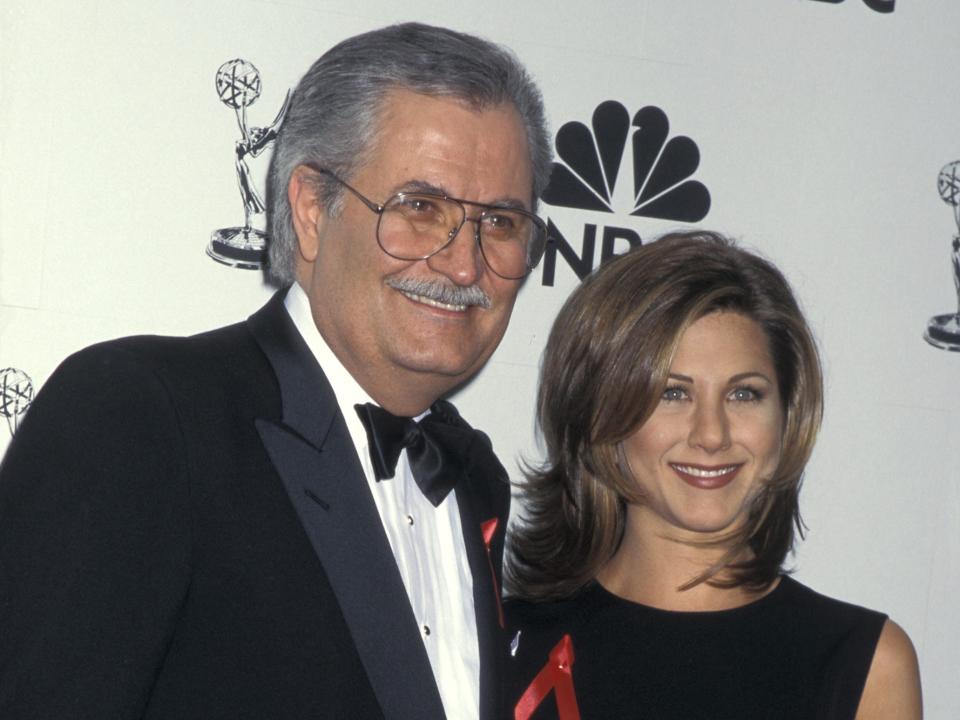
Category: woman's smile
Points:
column 706, row 477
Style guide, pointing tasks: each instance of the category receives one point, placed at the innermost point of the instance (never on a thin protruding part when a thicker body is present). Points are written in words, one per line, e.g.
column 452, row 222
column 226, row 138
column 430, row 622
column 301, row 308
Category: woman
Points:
column 680, row 398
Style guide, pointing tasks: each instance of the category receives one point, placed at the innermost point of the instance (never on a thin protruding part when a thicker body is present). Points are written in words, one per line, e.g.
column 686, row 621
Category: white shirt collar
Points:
column 346, row 389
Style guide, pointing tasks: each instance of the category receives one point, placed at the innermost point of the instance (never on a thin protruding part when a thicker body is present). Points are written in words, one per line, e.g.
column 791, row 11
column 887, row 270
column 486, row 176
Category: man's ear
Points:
column 307, row 212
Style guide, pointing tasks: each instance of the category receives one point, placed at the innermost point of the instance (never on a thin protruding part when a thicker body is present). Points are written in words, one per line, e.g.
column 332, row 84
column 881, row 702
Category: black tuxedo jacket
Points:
column 186, row 532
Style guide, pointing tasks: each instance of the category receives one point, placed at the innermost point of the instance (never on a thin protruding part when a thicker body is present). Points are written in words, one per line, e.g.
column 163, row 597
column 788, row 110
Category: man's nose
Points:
column 461, row 260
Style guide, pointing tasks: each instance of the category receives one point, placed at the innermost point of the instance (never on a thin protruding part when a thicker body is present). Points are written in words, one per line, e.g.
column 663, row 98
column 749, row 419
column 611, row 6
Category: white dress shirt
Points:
column 427, row 541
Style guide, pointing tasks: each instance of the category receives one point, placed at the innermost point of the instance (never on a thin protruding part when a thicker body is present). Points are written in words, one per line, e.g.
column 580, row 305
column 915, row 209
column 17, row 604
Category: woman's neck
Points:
column 652, row 564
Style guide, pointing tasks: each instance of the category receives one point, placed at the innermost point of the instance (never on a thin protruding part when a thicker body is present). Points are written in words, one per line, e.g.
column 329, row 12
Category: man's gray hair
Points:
column 333, row 116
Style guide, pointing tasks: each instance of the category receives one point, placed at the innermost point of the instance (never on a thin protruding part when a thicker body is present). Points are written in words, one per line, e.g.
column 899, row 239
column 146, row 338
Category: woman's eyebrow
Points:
column 753, row 373
column 733, row 379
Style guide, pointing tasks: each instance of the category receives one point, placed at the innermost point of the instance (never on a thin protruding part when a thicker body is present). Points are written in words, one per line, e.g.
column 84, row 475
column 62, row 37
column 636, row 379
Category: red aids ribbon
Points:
column 489, row 529
column 556, row 675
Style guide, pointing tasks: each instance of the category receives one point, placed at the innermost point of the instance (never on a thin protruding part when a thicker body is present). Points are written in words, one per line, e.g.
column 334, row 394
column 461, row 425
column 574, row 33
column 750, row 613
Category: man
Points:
column 211, row 527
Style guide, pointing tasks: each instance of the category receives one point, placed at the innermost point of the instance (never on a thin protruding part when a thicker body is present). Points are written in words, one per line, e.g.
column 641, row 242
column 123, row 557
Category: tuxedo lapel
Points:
column 312, row 452
column 483, row 498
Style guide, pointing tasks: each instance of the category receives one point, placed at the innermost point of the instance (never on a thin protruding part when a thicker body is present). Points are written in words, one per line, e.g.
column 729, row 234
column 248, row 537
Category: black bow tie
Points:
column 437, row 446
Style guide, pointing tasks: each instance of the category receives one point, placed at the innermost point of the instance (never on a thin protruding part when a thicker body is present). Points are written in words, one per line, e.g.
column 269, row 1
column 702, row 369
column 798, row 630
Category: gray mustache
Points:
column 441, row 292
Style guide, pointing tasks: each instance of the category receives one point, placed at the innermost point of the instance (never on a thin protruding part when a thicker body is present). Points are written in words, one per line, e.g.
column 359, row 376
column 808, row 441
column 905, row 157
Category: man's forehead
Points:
column 400, row 93
column 407, row 118
column 400, row 101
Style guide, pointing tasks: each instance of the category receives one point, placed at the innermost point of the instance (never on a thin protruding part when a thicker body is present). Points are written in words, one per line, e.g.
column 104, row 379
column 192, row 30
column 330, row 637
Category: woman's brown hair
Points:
column 604, row 370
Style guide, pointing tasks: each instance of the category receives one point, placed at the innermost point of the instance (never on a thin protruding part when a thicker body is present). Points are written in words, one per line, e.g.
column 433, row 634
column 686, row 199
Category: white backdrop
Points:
column 821, row 128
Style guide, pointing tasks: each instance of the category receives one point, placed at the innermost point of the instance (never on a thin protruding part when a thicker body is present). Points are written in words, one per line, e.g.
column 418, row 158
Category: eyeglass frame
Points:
column 379, row 209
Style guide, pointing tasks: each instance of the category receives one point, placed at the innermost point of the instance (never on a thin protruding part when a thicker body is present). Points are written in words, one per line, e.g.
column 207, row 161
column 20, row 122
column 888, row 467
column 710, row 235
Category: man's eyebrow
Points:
column 509, row 204
column 421, row 186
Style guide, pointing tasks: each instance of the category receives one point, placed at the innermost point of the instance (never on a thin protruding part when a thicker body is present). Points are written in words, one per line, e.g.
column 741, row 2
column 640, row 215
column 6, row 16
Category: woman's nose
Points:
column 711, row 428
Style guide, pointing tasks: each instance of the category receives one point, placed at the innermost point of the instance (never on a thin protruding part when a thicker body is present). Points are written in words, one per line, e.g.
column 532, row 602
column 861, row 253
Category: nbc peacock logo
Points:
column 592, row 176
column 880, row 6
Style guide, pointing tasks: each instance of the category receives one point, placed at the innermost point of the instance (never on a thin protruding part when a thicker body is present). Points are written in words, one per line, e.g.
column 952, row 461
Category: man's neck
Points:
column 407, row 394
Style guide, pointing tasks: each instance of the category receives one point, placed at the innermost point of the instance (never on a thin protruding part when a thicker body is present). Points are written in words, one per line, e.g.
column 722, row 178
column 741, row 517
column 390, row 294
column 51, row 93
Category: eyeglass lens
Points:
column 414, row 226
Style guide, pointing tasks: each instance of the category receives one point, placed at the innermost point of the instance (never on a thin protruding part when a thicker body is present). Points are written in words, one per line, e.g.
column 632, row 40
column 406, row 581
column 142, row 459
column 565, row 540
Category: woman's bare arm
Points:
column 892, row 691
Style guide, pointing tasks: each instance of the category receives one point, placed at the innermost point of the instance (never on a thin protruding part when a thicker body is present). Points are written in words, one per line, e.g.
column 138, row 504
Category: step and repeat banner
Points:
column 134, row 139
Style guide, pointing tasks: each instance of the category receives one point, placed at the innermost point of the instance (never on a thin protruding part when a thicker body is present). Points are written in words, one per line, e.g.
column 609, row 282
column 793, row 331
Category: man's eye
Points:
column 419, row 205
column 499, row 222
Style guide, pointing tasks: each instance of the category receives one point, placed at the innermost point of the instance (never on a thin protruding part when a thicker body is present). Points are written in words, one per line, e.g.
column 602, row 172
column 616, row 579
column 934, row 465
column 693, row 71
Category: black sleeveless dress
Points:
column 793, row 654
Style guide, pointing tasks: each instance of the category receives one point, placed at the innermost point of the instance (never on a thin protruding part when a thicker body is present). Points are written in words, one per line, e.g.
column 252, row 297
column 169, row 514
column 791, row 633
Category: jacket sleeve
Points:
column 94, row 541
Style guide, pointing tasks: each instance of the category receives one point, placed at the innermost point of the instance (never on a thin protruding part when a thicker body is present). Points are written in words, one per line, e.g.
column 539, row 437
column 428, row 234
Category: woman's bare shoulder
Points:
column 892, row 690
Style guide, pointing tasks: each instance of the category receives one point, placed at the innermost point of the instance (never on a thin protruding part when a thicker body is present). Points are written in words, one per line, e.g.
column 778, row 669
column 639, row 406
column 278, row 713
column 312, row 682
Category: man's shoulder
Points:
column 223, row 338
column 219, row 350
column 168, row 354
column 223, row 361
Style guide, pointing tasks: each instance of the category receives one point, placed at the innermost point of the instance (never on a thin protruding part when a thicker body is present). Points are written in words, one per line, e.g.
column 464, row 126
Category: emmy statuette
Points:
column 238, row 86
column 16, row 394
column 943, row 331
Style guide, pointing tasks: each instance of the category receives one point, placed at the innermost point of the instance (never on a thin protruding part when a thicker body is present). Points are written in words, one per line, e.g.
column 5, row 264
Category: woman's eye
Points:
column 746, row 394
column 672, row 394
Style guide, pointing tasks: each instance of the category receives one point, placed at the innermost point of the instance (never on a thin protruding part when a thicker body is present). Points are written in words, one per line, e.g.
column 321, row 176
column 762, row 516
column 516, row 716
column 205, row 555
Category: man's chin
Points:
column 445, row 370
column 456, row 372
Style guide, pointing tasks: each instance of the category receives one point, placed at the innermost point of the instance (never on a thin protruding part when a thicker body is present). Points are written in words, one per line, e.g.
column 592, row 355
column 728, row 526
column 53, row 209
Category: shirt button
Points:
column 409, row 519
column 426, row 631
